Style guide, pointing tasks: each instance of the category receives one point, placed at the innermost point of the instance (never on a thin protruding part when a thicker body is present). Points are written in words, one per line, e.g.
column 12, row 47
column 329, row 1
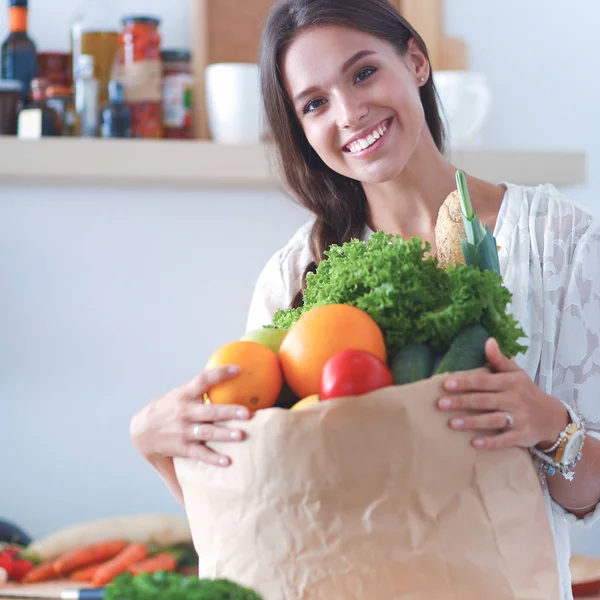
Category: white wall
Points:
column 110, row 297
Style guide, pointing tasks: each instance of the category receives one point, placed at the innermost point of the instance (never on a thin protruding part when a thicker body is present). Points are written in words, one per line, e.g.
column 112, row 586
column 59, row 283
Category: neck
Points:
column 18, row 19
column 408, row 205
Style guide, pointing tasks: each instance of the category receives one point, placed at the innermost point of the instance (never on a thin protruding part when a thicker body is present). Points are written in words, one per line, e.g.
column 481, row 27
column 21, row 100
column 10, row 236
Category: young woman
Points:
column 353, row 113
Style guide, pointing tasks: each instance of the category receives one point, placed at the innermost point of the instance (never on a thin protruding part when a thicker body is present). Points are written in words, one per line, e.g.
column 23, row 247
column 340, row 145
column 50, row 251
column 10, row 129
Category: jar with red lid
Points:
column 178, row 86
column 140, row 74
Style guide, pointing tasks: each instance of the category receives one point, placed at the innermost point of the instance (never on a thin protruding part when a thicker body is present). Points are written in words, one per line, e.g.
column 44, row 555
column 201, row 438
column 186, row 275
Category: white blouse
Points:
column 550, row 261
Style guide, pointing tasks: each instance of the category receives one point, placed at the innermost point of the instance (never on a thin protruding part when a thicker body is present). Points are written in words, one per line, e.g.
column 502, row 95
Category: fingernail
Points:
column 457, row 422
column 445, row 403
column 236, row 435
column 451, row 384
column 223, row 461
column 242, row 413
column 479, row 443
column 233, row 369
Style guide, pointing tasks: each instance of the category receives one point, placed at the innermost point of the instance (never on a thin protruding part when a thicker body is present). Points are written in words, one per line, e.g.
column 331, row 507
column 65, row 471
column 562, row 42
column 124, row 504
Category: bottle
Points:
column 38, row 119
column 86, row 97
column 116, row 117
column 61, row 99
column 18, row 54
column 95, row 31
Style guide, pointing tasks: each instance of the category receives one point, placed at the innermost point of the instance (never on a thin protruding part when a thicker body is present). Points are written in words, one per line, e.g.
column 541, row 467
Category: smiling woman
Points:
column 354, row 118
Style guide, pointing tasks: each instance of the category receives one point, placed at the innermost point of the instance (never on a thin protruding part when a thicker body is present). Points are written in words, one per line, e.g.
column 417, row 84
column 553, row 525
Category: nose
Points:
column 350, row 111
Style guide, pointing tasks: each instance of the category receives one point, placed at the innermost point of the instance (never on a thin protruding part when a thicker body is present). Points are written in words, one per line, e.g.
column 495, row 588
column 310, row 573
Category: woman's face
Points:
column 357, row 99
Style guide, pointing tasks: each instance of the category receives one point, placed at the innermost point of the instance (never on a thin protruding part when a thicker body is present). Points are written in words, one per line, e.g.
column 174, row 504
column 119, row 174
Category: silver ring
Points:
column 509, row 420
column 196, row 432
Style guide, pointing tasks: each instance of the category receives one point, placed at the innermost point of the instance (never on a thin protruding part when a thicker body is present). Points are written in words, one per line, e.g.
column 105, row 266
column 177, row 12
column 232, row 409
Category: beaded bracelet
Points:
column 549, row 467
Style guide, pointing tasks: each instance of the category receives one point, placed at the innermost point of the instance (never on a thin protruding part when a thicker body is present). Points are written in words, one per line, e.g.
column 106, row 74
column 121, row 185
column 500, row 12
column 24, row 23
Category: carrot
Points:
column 119, row 564
column 160, row 562
column 43, row 572
column 85, row 573
column 86, row 555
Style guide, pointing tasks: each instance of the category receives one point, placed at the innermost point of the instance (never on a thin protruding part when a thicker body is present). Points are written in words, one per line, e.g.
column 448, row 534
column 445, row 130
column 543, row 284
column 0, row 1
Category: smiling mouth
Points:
column 358, row 146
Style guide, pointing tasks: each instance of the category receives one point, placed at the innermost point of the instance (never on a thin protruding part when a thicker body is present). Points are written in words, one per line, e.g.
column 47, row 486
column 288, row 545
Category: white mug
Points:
column 466, row 105
column 233, row 103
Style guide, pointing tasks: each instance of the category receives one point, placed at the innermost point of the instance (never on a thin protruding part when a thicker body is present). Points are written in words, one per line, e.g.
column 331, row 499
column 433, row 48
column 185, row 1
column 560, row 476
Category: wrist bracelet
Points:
column 547, row 466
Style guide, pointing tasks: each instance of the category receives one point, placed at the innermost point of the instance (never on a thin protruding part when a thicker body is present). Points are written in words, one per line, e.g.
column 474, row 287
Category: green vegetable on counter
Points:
column 174, row 586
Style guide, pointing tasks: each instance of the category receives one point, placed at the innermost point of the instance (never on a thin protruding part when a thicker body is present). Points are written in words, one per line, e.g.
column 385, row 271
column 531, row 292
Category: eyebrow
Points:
column 345, row 67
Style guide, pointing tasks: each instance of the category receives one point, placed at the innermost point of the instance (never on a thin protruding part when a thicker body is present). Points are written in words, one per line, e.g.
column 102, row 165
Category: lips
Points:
column 368, row 138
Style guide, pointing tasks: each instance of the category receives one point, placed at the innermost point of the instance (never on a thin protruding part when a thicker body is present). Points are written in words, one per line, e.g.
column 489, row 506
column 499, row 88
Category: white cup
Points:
column 466, row 104
column 233, row 103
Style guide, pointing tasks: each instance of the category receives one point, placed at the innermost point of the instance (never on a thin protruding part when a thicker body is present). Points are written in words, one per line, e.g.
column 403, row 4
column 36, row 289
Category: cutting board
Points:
column 39, row 590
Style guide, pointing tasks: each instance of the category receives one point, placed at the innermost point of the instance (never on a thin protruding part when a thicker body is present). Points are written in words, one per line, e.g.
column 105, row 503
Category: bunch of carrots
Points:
column 100, row 563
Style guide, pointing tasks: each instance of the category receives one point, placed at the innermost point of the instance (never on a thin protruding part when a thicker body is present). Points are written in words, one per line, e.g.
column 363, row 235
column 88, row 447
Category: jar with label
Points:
column 178, row 87
column 140, row 73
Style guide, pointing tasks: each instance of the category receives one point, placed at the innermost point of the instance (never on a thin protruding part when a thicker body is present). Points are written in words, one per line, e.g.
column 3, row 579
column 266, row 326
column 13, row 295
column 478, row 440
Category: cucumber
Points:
column 413, row 362
column 466, row 352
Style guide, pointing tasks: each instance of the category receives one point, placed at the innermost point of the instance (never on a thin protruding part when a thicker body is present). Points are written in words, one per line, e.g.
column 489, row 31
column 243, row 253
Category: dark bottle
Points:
column 18, row 53
column 116, row 118
column 38, row 119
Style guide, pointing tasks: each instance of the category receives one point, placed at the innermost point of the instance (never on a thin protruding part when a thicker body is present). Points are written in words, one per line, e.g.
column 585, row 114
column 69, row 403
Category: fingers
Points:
column 211, row 413
column 472, row 401
column 481, row 382
column 198, row 434
column 501, row 441
column 487, row 422
column 495, row 357
column 206, row 455
column 205, row 432
column 200, row 384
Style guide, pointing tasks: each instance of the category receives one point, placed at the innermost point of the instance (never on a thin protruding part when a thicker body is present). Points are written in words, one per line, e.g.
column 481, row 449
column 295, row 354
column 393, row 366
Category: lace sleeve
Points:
column 576, row 369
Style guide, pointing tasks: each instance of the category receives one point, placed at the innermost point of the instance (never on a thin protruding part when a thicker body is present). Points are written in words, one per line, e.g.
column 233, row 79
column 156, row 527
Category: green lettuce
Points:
column 408, row 294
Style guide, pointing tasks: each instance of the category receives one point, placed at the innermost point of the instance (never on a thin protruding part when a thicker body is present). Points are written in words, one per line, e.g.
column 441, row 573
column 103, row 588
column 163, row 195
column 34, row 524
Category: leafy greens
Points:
column 409, row 296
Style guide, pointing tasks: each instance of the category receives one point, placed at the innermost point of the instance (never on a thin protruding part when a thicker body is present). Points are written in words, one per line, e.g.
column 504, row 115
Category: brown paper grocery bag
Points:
column 371, row 498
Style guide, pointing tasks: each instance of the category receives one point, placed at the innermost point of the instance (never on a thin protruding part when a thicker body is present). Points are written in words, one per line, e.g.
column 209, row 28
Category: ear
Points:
column 417, row 63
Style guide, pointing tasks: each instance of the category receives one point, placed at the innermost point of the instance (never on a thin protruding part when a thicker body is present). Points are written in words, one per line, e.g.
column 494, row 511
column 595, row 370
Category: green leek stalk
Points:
column 480, row 248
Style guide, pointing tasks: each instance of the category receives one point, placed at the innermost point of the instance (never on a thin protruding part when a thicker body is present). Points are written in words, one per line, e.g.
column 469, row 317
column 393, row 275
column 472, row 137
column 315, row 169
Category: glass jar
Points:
column 178, row 86
column 56, row 67
column 95, row 32
column 140, row 74
column 11, row 103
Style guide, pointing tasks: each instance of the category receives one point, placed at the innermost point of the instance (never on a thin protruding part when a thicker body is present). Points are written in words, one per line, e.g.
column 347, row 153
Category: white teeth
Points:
column 367, row 141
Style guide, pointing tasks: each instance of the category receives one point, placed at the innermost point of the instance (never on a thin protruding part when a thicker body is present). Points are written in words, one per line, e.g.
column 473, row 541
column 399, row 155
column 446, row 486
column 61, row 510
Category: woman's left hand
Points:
column 515, row 411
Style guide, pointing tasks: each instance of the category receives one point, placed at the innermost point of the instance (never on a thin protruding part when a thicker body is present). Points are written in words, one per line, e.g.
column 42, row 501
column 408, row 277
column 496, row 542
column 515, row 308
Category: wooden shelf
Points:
column 203, row 164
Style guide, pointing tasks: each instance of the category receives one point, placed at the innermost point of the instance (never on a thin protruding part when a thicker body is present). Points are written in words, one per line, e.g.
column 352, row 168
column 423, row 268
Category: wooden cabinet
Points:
column 223, row 31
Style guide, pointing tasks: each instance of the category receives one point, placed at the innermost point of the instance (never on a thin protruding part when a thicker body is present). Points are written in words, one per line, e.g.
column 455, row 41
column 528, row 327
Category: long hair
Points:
column 338, row 203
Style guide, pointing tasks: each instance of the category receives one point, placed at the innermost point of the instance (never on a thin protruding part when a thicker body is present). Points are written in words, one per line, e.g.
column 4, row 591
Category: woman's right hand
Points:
column 178, row 424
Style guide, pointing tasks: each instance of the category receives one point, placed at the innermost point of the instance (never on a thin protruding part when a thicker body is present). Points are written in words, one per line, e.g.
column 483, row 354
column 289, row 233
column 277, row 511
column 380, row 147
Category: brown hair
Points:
column 338, row 203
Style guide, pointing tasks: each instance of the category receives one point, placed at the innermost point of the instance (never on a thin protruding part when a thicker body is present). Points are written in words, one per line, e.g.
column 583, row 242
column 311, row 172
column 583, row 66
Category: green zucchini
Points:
column 413, row 362
column 466, row 352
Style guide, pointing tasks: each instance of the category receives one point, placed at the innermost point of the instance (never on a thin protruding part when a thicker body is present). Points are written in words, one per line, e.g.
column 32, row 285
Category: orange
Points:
column 314, row 399
column 321, row 333
column 258, row 384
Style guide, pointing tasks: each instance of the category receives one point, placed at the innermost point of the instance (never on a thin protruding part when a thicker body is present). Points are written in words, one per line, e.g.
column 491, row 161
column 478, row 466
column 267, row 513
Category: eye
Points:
column 364, row 74
column 313, row 105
